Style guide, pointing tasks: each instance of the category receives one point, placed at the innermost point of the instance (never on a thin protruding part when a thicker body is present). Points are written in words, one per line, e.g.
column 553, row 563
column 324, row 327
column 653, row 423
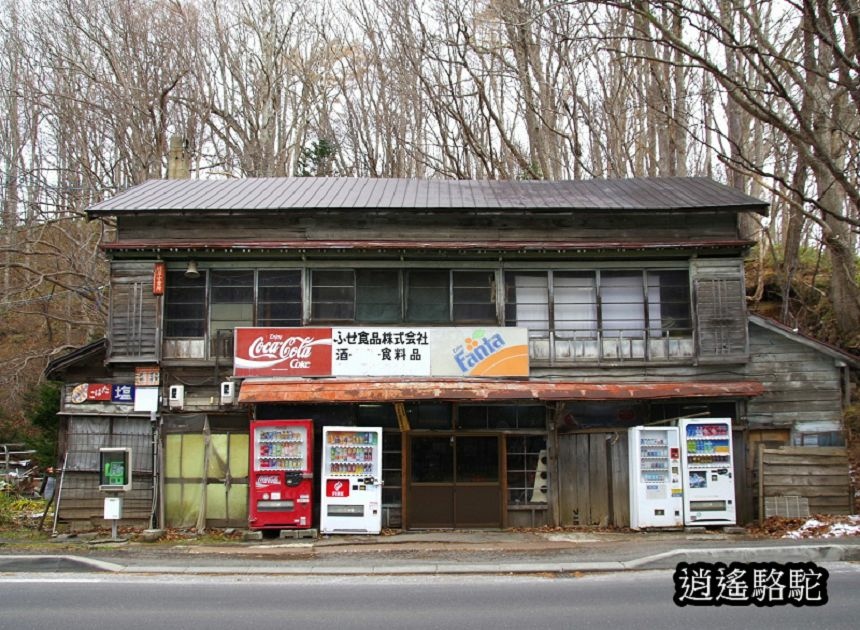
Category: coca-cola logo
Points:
column 286, row 351
column 289, row 348
column 268, row 480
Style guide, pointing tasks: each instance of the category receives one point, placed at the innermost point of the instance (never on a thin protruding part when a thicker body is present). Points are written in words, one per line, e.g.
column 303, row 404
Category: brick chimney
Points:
column 178, row 161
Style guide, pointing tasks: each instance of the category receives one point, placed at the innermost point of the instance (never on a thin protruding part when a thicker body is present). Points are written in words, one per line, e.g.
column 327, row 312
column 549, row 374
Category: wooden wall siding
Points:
column 802, row 386
column 744, row 493
column 756, row 440
column 82, row 504
column 134, row 317
column 582, row 227
column 593, row 479
column 816, row 473
column 720, row 307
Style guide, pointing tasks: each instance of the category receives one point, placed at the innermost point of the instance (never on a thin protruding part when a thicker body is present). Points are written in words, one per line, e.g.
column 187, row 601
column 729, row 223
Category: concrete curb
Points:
column 64, row 563
column 666, row 560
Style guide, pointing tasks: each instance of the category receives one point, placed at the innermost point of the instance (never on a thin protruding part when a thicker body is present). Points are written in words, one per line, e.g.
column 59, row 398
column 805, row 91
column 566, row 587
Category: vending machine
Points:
column 709, row 485
column 351, row 490
column 656, row 488
column 281, row 471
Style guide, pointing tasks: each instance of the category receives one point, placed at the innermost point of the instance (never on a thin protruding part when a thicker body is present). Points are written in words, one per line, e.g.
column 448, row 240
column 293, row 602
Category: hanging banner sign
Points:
column 353, row 351
column 159, row 275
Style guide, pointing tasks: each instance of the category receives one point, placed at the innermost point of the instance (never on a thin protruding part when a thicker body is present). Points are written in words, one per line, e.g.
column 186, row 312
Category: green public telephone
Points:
column 115, row 469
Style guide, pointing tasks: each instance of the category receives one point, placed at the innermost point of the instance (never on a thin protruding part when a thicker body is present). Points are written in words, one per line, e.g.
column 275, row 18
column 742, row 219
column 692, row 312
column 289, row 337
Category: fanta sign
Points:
column 474, row 352
column 372, row 351
column 485, row 352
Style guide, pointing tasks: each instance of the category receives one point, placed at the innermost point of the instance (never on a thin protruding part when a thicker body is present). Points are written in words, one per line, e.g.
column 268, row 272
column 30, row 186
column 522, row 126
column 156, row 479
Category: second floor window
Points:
column 185, row 305
column 231, row 300
column 391, row 296
column 603, row 314
column 222, row 299
column 583, row 314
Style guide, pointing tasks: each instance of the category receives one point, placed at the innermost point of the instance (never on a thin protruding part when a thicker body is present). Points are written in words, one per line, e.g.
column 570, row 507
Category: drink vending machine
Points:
column 709, row 486
column 281, row 474
column 351, row 501
column 656, row 488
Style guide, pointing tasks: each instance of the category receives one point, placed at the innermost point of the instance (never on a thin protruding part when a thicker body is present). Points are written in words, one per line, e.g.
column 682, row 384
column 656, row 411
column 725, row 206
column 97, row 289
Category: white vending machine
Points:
column 709, row 484
column 351, row 481
column 656, row 488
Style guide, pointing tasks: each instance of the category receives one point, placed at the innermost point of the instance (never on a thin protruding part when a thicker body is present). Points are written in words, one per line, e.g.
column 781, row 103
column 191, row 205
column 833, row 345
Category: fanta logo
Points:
column 477, row 348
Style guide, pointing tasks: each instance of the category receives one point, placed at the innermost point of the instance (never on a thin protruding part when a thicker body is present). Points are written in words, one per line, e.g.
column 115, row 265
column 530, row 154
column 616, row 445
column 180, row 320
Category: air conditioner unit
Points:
column 176, row 396
column 228, row 393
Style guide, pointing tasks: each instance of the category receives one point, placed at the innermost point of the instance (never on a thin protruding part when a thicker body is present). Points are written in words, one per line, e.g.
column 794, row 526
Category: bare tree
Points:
column 804, row 90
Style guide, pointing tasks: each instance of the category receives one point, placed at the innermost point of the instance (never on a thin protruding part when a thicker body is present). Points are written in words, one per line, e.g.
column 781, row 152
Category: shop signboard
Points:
column 99, row 392
column 381, row 352
column 282, row 352
column 121, row 393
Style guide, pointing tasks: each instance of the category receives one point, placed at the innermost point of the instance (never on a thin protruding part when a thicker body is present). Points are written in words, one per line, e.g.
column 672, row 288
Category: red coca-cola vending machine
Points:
column 281, row 470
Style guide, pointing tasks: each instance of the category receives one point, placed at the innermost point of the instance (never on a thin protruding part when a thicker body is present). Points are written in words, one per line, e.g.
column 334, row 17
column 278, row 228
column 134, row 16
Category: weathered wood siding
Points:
column 134, row 317
column 82, row 504
column 609, row 227
column 594, row 483
column 720, row 307
column 818, row 474
column 802, row 385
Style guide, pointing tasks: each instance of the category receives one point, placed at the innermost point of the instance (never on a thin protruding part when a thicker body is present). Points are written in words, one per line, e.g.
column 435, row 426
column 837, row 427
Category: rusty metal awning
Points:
column 358, row 391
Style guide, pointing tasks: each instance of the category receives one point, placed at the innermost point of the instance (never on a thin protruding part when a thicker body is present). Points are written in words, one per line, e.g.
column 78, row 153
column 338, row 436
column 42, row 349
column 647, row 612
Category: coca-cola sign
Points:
column 368, row 351
column 282, row 352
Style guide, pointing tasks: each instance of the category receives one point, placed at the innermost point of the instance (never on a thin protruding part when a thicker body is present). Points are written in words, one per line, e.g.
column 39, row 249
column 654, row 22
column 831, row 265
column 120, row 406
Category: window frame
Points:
column 633, row 339
column 182, row 289
column 209, row 298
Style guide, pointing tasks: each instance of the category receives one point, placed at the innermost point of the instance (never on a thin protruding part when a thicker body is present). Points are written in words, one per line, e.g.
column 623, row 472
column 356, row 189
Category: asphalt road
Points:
column 638, row 600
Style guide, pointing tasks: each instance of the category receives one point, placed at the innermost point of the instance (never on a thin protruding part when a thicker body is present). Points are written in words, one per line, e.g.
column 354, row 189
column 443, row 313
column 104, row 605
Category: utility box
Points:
column 115, row 469
column 113, row 508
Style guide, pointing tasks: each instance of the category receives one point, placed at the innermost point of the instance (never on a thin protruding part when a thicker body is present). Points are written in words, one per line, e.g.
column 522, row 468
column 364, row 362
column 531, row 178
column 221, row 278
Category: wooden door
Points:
column 454, row 481
column 593, row 479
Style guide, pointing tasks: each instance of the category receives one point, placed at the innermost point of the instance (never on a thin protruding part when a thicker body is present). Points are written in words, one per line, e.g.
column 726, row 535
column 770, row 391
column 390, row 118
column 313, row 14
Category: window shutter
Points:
column 721, row 314
column 132, row 332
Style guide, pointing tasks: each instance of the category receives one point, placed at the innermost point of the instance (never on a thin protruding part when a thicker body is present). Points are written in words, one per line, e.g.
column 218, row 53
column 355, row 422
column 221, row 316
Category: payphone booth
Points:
column 114, row 479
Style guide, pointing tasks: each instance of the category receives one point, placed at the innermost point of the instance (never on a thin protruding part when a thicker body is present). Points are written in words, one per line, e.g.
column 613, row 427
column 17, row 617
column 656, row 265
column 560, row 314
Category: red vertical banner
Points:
column 159, row 276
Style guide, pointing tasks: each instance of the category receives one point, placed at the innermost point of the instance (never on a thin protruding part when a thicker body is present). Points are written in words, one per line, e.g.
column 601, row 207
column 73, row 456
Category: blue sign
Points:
column 122, row 393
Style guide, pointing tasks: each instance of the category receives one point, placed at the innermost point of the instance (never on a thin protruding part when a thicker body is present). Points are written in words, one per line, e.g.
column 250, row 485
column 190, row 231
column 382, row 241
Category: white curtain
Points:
column 622, row 302
column 533, row 304
column 575, row 304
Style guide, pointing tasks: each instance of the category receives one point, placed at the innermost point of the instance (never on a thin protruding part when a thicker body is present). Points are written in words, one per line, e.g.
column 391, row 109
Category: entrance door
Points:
column 206, row 479
column 454, row 481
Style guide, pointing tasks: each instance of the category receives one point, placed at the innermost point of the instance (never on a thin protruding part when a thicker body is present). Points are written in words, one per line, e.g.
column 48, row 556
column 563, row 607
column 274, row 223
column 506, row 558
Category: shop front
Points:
column 445, row 457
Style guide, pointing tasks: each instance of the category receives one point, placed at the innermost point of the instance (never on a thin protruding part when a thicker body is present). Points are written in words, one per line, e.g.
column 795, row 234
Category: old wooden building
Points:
column 629, row 295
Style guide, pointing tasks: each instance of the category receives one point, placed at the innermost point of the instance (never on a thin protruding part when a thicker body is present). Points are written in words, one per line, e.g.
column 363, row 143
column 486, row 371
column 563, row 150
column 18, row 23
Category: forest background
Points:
column 763, row 96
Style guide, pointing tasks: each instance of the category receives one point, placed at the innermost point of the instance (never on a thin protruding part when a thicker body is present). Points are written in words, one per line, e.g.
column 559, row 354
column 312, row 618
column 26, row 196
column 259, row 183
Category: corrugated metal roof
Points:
column 342, row 390
column 346, row 193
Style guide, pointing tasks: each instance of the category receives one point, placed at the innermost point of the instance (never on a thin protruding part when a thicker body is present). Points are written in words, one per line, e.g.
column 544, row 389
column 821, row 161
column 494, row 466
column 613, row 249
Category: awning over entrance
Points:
column 358, row 391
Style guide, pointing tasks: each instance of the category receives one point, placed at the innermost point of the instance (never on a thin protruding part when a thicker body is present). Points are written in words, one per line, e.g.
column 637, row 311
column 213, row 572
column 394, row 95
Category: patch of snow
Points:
column 837, row 528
